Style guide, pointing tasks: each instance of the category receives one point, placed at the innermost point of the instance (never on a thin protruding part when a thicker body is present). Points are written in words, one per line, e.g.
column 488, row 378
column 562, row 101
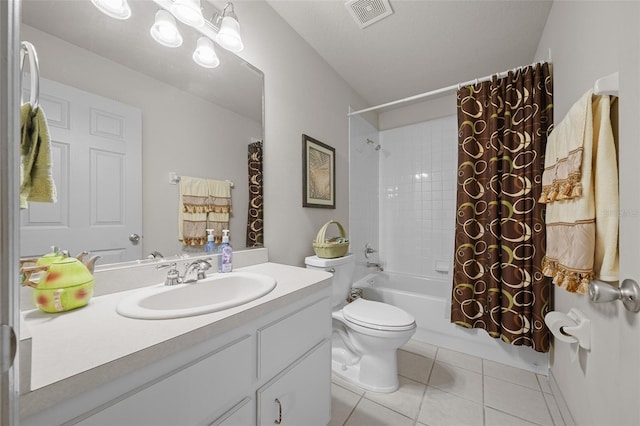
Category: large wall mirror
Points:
column 107, row 82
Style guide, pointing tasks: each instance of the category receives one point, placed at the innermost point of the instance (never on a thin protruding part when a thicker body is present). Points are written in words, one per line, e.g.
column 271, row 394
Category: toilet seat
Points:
column 378, row 316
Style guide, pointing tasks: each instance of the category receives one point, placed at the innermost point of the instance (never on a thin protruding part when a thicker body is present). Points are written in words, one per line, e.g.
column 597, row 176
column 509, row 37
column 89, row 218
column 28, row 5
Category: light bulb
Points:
column 118, row 9
column 205, row 53
column 164, row 30
column 188, row 12
column 229, row 34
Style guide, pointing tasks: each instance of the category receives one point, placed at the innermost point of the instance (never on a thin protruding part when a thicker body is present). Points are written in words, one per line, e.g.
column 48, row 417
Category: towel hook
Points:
column 27, row 49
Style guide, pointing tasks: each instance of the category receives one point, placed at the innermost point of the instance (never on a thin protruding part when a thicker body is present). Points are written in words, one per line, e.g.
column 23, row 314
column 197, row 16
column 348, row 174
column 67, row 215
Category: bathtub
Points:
column 428, row 300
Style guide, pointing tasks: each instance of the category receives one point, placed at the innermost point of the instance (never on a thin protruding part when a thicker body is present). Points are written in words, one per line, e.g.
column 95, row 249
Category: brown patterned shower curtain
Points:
column 255, row 224
column 500, row 233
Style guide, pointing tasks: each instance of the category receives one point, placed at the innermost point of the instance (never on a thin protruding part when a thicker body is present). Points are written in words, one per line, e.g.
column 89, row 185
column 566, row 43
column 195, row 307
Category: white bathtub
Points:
column 428, row 300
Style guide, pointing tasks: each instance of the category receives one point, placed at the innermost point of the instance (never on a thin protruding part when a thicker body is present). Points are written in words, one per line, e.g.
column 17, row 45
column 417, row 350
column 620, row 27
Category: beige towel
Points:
column 582, row 216
column 204, row 204
column 561, row 179
column 220, row 205
column 36, row 180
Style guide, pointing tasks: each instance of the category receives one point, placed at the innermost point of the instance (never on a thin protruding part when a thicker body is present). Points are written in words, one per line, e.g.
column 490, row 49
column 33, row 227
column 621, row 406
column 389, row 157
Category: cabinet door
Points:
column 287, row 339
column 301, row 394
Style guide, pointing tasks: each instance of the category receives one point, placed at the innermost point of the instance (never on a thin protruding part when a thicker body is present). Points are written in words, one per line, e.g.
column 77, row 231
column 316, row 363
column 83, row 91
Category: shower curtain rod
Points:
column 442, row 90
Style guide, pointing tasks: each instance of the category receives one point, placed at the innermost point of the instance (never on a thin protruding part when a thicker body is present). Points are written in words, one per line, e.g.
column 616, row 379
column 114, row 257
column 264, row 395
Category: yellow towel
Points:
column 582, row 219
column 204, row 204
column 36, row 181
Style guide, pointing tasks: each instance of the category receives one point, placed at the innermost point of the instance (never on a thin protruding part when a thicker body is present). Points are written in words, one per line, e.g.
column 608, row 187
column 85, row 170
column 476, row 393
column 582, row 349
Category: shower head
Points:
column 376, row 145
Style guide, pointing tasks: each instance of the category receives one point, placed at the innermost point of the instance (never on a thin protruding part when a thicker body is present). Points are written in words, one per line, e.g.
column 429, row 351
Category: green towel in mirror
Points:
column 36, row 180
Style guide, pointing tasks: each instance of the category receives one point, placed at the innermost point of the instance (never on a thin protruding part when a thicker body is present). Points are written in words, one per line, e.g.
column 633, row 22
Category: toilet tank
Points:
column 342, row 269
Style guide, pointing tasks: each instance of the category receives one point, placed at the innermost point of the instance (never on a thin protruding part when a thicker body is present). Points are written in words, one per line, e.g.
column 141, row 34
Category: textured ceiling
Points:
column 424, row 45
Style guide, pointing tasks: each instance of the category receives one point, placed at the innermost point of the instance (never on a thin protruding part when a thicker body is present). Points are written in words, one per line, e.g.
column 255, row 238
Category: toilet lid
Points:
column 377, row 315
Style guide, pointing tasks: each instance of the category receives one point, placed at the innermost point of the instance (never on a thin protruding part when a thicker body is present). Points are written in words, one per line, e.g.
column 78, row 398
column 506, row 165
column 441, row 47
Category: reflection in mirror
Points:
column 124, row 113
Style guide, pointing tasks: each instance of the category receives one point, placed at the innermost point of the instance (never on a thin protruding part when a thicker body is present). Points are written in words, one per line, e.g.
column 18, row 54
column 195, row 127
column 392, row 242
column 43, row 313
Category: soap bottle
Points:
column 225, row 253
column 211, row 246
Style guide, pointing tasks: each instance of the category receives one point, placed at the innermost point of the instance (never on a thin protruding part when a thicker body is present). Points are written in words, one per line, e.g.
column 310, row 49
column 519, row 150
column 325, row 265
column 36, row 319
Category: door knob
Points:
column 628, row 293
column 134, row 238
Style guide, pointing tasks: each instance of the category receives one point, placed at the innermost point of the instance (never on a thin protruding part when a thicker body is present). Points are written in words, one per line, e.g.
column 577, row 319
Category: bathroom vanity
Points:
column 262, row 362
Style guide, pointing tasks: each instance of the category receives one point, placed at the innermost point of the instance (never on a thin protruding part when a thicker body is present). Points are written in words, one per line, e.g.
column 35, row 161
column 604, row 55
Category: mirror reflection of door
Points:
column 100, row 192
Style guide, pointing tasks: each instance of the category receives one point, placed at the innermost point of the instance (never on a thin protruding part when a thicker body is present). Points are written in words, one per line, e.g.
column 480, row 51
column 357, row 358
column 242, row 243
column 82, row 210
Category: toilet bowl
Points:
column 372, row 343
column 366, row 334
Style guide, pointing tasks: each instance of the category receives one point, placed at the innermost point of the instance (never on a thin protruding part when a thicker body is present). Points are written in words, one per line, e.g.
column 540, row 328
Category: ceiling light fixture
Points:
column 165, row 31
column 188, row 12
column 118, row 9
column 229, row 32
column 205, row 53
column 223, row 27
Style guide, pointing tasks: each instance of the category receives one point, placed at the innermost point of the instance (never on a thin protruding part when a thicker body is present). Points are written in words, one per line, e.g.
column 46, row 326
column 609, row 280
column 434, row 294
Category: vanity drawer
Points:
column 187, row 396
column 241, row 414
column 283, row 341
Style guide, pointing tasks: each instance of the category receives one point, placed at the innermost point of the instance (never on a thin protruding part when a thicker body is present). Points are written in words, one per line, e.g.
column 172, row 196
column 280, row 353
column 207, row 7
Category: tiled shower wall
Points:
column 417, row 197
column 402, row 197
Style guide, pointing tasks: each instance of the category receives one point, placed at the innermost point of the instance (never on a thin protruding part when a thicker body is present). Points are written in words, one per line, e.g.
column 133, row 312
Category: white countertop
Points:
column 79, row 350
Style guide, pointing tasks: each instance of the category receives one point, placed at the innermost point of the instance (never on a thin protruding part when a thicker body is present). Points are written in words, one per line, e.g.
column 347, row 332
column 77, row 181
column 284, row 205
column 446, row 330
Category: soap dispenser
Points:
column 211, row 246
column 225, row 253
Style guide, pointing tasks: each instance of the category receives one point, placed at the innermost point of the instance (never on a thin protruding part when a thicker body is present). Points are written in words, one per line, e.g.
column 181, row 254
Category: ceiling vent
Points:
column 367, row 12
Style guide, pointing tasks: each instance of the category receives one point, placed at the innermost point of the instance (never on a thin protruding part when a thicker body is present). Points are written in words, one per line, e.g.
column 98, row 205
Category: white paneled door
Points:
column 96, row 148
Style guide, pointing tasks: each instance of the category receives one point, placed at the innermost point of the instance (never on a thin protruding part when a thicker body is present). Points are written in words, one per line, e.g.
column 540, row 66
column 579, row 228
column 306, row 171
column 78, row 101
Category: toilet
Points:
column 366, row 334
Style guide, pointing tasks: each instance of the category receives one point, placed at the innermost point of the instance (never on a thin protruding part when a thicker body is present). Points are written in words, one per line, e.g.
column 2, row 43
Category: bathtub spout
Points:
column 375, row 265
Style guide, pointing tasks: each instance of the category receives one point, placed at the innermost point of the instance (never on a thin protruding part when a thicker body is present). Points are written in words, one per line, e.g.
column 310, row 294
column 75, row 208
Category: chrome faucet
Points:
column 173, row 276
column 195, row 271
column 155, row 255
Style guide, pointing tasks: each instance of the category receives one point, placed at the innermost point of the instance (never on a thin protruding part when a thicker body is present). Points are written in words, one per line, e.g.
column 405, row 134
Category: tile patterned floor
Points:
column 440, row 387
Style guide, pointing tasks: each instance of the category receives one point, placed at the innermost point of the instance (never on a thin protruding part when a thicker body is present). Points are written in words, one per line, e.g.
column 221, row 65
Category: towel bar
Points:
column 174, row 179
column 27, row 49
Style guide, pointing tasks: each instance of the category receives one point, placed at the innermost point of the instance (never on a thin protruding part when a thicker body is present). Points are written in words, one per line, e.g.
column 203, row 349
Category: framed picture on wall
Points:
column 318, row 174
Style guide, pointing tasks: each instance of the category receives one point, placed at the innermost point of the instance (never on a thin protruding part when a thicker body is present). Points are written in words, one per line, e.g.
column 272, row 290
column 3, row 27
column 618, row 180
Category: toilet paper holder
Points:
column 628, row 293
column 579, row 333
column 582, row 331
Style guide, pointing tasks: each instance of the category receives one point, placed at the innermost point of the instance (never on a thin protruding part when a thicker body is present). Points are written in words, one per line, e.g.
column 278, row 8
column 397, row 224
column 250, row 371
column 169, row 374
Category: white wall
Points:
column 180, row 132
column 303, row 94
column 364, row 180
column 589, row 40
column 418, row 112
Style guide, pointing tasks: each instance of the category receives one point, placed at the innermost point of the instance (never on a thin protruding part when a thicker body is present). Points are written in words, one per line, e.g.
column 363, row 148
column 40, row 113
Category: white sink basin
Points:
column 214, row 293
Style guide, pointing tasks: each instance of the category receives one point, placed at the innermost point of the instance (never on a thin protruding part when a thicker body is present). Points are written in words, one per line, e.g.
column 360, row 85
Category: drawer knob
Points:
column 279, row 419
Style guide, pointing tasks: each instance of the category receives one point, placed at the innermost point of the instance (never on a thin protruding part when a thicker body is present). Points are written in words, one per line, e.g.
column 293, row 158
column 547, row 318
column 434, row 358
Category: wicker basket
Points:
column 330, row 249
